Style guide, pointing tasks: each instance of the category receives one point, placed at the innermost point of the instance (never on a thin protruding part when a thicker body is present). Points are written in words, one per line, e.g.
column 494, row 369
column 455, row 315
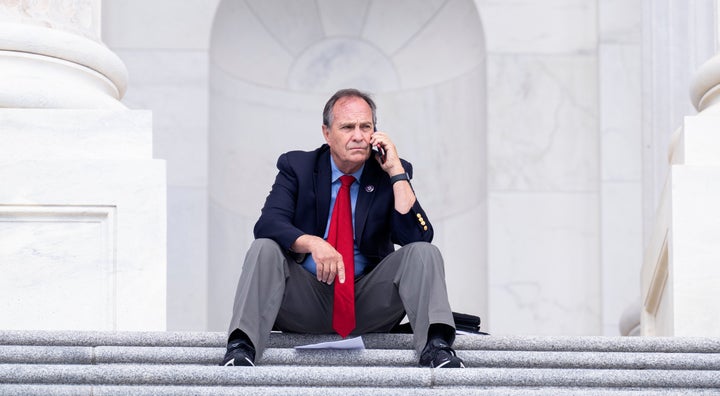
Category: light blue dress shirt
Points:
column 360, row 260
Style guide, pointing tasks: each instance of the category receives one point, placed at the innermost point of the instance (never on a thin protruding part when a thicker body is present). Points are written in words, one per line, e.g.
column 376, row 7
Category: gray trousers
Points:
column 274, row 290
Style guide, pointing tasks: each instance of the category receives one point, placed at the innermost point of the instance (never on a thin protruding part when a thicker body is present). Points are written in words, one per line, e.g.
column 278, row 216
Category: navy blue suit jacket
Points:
column 299, row 203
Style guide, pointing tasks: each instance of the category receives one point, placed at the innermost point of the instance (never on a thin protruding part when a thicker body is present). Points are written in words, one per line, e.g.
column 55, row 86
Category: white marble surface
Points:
column 158, row 24
column 247, row 135
column 35, row 78
column 450, row 45
column 242, row 46
column 165, row 66
column 553, row 145
column 621, row 251
column 64, row 282
column 324, row 67
column 544, row 164
column 75, row 16
column 620, row 112
column 294, row 25
column 78, row 72
column 539, row 27
column 73, row 134
column 620, row 108
column 688, row 221
column 620, row 21
column 343, row 18
column 543, row 272
column 187, row 257
column 700, row 141
column 462, row 239
column 694, row 254
column 682, row 36
column 392, row 24
column 135, row 190
column 285, row 45
column 173, row 84
column 678, row 37
column 579, row 131
column 83, row 198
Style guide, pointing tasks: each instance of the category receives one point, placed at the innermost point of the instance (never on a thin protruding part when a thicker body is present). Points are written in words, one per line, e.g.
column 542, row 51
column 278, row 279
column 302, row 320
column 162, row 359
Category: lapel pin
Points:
column 369, row 188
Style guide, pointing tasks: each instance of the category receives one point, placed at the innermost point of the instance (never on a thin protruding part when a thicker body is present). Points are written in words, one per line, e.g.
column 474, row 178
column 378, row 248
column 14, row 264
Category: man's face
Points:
column 349, row 133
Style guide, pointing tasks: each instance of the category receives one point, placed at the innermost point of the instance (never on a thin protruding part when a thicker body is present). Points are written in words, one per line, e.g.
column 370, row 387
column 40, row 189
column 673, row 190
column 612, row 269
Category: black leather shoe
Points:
column 437, row 353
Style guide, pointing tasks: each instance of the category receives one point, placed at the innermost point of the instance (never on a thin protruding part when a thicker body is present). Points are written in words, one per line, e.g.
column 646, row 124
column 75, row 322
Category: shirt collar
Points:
column 336, row 173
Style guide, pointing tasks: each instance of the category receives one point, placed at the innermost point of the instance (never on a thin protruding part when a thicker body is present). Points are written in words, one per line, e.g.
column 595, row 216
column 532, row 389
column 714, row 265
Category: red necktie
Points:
column 340, row 236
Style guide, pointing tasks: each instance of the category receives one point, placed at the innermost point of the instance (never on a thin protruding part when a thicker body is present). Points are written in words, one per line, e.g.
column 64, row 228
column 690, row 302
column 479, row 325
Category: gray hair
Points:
column 345, row 93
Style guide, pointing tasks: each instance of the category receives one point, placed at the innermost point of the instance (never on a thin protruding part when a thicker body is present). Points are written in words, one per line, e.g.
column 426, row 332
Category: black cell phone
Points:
column 379, row 148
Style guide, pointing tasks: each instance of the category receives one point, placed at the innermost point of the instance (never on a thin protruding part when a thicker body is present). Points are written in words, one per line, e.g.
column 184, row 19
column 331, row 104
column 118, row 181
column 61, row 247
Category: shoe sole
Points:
column 231, row 362
column 447, row 364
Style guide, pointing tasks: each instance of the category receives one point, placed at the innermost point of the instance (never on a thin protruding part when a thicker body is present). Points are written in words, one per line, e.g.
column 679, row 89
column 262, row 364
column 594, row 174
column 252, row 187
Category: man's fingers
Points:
column 341, row 272
column 330, row 276
column 325, row 273
column 319, row 271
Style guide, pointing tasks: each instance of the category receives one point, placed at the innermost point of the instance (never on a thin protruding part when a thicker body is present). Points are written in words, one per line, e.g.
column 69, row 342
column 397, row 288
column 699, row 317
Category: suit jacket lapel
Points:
column 323, row 173
column 368, row 182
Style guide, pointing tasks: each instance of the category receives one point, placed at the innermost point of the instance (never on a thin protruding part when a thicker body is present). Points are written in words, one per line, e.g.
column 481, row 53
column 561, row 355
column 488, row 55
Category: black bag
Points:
column 463, row 322
column 467, row 323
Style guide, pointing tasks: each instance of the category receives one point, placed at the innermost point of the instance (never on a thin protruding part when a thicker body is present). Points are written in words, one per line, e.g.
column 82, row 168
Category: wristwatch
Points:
column 397, row 178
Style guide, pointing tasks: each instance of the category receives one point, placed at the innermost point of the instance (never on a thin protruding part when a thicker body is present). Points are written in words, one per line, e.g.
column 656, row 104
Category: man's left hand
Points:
column 392, row 164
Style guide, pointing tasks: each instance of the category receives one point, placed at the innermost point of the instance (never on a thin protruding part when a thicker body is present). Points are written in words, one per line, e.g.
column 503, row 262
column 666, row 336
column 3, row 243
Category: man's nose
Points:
column 357, row 133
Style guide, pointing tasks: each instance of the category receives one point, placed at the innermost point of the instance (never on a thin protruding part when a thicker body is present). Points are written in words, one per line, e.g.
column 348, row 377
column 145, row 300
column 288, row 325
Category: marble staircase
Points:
column 185, row 363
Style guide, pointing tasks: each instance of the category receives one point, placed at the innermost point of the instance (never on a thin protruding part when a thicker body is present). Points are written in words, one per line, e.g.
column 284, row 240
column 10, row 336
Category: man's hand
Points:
column 404, row 195
column 392, row 164
column 328, row 261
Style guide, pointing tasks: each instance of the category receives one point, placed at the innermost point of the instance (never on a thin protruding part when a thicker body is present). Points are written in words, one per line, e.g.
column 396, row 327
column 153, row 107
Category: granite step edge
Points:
column 142, row 390
column 210, row 356
column 392, row 377
column 372, row 341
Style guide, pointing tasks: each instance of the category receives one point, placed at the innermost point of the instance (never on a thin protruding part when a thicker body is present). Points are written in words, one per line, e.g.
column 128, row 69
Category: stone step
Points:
column 372, row 341
column 209, row 356
column 178, row 363
column 352, row 377
column 126, row 390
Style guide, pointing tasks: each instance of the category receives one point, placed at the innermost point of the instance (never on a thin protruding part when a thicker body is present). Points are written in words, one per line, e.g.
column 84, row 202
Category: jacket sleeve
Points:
column 276, row 219
column 412, row 226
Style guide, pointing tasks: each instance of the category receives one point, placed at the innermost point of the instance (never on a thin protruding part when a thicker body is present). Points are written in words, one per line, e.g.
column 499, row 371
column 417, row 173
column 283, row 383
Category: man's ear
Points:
column 326, row 133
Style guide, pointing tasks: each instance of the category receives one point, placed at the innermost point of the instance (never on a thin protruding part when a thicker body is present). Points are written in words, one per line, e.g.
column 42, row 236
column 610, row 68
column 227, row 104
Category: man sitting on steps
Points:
column 323, row 259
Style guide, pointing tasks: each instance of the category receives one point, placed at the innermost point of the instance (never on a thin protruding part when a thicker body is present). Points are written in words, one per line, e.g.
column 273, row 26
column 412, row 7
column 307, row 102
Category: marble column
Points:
column 680, row 273
column 51, row 56
column 82, row 203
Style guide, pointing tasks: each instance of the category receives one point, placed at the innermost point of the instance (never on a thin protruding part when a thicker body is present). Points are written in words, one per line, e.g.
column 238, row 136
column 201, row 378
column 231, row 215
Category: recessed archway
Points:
column 273, row 64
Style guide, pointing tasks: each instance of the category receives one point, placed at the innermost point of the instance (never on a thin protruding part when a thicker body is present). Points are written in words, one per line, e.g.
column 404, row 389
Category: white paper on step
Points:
column 348, row 343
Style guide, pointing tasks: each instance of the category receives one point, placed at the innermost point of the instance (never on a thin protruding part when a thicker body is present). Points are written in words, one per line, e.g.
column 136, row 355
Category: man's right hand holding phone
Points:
column 404, row 195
